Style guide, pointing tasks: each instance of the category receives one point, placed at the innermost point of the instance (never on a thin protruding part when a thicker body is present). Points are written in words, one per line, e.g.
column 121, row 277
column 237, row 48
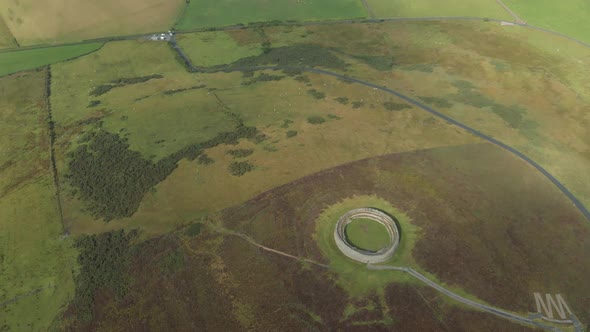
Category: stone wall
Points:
column 360, row 255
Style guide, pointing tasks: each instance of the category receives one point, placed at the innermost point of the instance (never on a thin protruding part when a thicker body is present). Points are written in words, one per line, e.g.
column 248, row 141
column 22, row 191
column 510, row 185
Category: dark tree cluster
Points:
column 204, row 159
column 173, row 92
column 308, row 55
column 112, row 179
column 240, row 153
column 357, row 104
column 391, row 106
column 316, row 119
column 342, row 100
column 263, row 77
column 93, row 103
column 102, row 89
column 239, row 168
column 316, row 94
column 103, row 260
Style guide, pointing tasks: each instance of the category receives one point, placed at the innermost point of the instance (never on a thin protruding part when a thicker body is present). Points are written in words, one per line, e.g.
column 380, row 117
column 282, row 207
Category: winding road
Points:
column 575, row 201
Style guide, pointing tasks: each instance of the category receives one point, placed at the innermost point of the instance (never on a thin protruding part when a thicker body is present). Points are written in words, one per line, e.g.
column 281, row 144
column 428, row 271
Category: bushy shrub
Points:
column 316, row 120
column 291, row 133
column 239, row 168
column 240, row 153
column 316, row 94
column 342, row 100
column 391, row 106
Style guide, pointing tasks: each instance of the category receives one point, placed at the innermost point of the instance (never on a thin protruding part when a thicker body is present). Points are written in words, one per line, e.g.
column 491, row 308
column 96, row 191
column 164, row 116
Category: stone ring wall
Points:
column 360, row 255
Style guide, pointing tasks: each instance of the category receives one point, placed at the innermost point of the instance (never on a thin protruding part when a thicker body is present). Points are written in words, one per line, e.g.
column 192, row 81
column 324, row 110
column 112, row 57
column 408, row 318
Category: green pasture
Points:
column 211, row 13
column 428, row 8
column 215, row 48
column 367, row 234
column 36, row 260
column 14, row 61
column 568, row 17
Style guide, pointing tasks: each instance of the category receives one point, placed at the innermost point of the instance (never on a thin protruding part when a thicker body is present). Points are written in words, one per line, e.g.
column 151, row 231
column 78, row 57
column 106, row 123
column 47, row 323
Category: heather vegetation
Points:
column 103, row 259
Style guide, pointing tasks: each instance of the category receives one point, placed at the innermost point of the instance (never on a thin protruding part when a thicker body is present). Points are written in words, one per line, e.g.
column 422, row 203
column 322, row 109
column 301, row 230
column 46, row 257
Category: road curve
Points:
column 575, row 201
column 492, row 310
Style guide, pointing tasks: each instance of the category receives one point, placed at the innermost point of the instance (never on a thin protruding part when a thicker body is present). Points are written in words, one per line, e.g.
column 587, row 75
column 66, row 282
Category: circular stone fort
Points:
column 360, row 254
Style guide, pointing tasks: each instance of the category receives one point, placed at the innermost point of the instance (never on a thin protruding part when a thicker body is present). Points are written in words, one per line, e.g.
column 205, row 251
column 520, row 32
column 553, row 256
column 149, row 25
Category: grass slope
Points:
column 11, row 62
column 215, row 48
column 568, row 17
column 35, row 260
column 61, row 21
column 423, row 8
column 212, row 13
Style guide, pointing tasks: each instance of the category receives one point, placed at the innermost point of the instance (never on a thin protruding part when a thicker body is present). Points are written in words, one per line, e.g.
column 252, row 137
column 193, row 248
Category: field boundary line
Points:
column 513, row 14
column 304, row 23
column 27, row 294
column 368, row 8
column 52, row 137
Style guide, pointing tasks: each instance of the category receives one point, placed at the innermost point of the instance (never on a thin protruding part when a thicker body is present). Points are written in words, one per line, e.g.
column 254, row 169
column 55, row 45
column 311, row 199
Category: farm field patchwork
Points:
column 33, row 22
column 568, row 17
column 434, row 8
column 210, row 13
column 14, row 61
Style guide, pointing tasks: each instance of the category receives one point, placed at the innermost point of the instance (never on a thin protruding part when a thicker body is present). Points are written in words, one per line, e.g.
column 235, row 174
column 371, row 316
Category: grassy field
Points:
column 367, row 234
column 544, row 75
column 569, row 18
column 182, row 196
column 36, row 279
column 71, row 20
column 11, row 62
column 6, row 38
column 209, row 13
column 424, row 8
column 216, row 48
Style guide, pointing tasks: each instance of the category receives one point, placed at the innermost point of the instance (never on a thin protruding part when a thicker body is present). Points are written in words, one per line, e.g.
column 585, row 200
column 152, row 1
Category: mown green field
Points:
column 14, row 61
column 568, row 17
column 36, row 260
column 367, row 234
column 429, row 8
column 210, row 13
